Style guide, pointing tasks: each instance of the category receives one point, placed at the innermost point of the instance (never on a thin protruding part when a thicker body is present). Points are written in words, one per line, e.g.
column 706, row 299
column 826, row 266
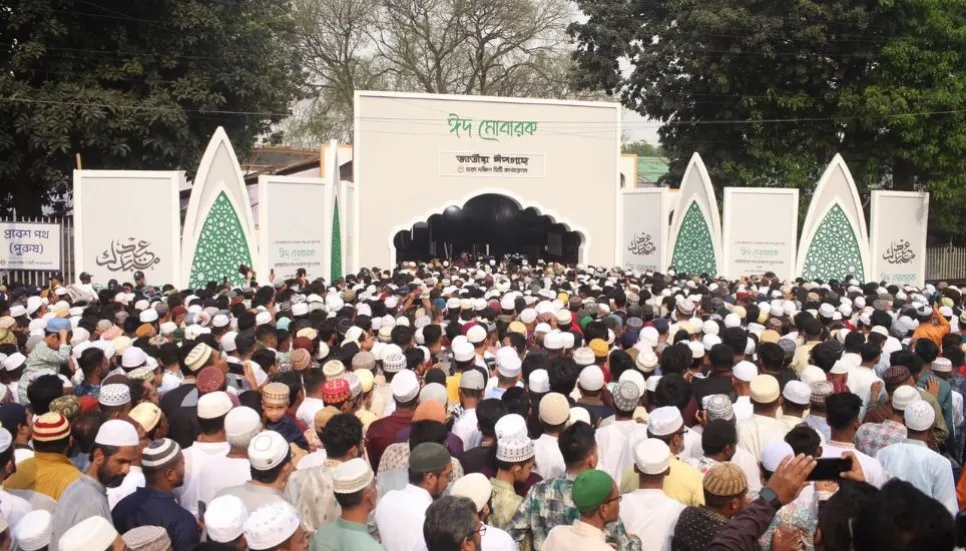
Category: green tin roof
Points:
column 650, row 169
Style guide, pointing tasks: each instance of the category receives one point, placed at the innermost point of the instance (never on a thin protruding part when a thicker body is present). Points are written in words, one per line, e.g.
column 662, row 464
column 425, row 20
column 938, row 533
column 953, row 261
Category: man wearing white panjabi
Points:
column 612, row 440
column 224, row 471
column 554, row 412
column 211, row 443
column 648, row 511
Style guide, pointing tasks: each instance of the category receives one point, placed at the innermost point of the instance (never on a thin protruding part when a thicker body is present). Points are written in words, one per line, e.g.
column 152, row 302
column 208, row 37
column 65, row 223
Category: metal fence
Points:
column 40, row 277
column 945, row 262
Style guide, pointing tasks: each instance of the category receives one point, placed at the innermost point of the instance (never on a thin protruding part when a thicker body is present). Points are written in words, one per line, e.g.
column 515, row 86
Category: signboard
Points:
column 899, row 236
column 696, row 227
column 293, row 229
column 127, row 221
column 30, row 246
column 760, row 231
column 452, row 148
column 644, row 239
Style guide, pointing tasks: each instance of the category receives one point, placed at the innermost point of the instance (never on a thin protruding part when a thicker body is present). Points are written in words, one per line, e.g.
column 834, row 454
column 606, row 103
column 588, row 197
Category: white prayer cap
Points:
column 220, row 320
column 710, row 328
column 106, row 346
column 33, row 531
column 839, row 368
column 94, row 532
column 732, row 320
column 150, row 315
column 567, row 339
column 553, row 341
column 942, row 365
column 528, row 315
column 213, row 405
column 665, row 421
column 591, row 378
column 133, row 357
column 79, row 336
column 583, row 356
column 225, row 519
column 228, row 341
column 241, row 425
column 708, row 341
column 405, row 386
column 919, row 416
column 903, row 396
column 797, row 392
column 635, row 377
column 508, row 362
column 812, row 374
column 271, row 525
column 434, row 392
column 510, row 426
column 773, row 453
column 745, row 371
column 463, row 351
column 352, row 476
column 114, row 395
column 117, row 433
column 472, row 379
column 515, row 449
column 78, row 349
column 652, row 456
column 476, row 487
column 578, row 413
column 267, row 450
column 542, row 328
column 697, row 350
column 263, row 318
column 539, row 381
column 651, row 383
column 476, row 334
column 5, row 439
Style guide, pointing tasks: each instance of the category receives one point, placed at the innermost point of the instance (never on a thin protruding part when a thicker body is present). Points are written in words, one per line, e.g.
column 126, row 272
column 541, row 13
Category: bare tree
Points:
column 484, row 47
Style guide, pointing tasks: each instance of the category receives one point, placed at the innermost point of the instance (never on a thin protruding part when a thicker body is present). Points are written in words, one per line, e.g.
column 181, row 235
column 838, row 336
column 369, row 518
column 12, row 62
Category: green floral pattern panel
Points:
column 222, row 247
column 694, row 247
column 336, row 243
column 834, row 251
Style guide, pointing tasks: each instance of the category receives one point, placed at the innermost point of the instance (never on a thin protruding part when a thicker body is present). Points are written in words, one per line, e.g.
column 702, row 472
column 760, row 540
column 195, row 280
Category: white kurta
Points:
column 220, row 473
column 548, row 461
column 871, row 468
column 652, row 516
column 133, row 480
column 579, row 536
column 195, row 459
column 399, row 517
column 467, row 431
column 613, row 445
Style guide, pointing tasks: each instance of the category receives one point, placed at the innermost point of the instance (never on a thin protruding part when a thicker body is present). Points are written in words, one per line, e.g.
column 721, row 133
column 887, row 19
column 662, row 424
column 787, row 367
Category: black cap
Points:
column 85, row 277
column 138, row 275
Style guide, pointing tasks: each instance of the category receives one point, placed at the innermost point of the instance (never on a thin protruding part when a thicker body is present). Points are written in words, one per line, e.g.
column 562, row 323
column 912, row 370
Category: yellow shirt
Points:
column 47, row 473
column 453, row 387
column 684, row 483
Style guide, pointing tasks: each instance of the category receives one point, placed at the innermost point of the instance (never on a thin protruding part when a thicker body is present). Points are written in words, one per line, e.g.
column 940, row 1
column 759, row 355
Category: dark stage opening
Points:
column 492, row 225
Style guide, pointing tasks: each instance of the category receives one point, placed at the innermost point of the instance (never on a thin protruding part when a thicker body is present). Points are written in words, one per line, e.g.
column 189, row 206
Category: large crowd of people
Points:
column 482, row 405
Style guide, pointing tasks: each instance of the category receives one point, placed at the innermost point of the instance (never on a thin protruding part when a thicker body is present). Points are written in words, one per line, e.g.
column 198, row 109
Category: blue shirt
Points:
column 287, row 428
column 931, row 473
column 149, row 507
column 945, row 397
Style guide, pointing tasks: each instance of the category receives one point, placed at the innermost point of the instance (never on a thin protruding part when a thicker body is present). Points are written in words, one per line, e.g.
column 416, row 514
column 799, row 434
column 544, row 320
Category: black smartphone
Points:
column 830, row 468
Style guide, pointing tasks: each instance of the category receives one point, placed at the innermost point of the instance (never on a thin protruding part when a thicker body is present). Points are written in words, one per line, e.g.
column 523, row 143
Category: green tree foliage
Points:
column 768, row 91
column 133, row 85
column 642, row 149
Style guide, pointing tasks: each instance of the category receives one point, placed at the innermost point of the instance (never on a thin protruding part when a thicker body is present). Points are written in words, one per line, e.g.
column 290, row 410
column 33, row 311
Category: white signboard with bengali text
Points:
column 519, row 165
column 294, row 226
column 898, row 236
column 30, row 246
column 128, row 221
column 760, row 231
column 646, row 228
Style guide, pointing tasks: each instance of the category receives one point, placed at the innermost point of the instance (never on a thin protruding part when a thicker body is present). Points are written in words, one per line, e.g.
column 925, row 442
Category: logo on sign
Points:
column 128, row 254
column 641, row 245
column 899, row 252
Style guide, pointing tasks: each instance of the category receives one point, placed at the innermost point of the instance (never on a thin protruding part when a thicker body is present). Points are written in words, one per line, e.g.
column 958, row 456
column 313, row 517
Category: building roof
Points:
column 650, row 169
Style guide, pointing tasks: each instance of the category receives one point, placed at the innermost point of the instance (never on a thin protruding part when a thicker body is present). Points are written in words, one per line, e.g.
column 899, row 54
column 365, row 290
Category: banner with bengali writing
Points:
column 30, row 246
column 514, row 165
column 760, row 231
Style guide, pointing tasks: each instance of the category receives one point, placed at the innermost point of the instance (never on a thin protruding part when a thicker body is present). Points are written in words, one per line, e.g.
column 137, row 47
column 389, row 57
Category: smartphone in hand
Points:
column 830, row 468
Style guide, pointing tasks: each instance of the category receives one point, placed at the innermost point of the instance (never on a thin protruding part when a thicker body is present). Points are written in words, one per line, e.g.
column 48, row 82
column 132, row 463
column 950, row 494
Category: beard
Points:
column 107, row 479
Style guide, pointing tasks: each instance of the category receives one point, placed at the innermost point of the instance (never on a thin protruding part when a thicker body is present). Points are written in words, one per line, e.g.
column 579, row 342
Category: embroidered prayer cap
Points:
column 332, row 369
column 147, row 415
column 942, row 365
column 211, row 379
column 271, row 525
column 198, row 356
column 141, row 374
column 352, row 476
column 514, row 449
column 903, row 396
column 113, row 395
column 33, row 531
column 626, row 395
column 821, row 390
column 584, row 356
column 276, row 394
column 719, row 406
column 364, row 360
column 68, row 406
column 725, row 479
column 160, row 454
column 652, row 456
column 50, row 427
column 94, row 532
column 895, row 376
column 214, row 405
column 394, row 363
column 355, row 384
column 147, row 538
column 646, row 360
column 267, row 450
column 919, row 416
column 225, row 519
column 335, row 391
column 301, row 359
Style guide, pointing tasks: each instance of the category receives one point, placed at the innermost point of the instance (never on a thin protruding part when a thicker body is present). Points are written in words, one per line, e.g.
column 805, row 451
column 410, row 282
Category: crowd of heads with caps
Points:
column 551, row 336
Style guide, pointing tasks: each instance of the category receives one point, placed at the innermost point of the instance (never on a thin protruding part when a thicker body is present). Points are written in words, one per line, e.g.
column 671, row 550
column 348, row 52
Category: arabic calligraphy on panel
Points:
column 641, row 245
column 899, row 252
column 128, row 254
